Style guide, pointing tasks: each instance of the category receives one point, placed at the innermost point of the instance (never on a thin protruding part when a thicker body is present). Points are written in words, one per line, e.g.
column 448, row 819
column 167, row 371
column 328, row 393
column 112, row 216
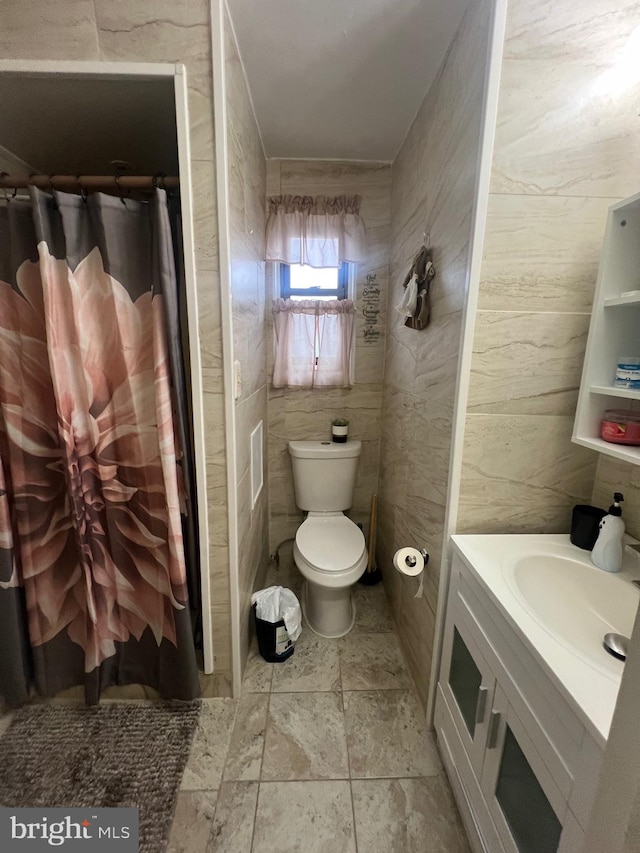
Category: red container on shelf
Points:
column 620, row 426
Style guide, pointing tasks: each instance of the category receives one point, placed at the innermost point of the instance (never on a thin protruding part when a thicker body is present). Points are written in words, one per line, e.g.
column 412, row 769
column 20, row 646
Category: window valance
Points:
column 316, row 231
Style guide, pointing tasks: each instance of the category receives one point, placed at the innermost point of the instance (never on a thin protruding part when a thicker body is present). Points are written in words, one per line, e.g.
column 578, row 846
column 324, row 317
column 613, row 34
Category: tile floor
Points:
column 325, row 752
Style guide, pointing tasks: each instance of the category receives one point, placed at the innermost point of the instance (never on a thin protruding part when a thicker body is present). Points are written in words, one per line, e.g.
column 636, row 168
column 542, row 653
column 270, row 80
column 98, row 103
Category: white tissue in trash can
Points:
column 275, row 603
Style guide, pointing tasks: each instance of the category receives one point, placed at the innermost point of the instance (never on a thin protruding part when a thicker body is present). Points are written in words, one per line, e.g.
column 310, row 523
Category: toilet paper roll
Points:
column 403, row 558
column 410, row 562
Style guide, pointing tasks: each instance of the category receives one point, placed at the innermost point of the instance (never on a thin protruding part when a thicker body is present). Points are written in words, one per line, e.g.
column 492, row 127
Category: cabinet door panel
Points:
column 465, row 681
column 526, row 805
column 483, row 836
column 520, row 676
column 467, row 684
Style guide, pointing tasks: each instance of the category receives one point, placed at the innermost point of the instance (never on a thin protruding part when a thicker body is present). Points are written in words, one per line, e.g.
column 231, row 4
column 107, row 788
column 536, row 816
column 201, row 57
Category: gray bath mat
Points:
column 117, row 754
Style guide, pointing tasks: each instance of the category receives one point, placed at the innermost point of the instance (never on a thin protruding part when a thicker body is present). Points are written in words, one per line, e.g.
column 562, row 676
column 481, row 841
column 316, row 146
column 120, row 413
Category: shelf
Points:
column 631, row 299
column 625, row 452
column 612, row 331
column 612, row 391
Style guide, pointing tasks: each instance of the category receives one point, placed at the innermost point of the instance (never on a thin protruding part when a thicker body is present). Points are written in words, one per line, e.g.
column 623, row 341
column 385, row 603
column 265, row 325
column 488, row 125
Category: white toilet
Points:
column 330, row 549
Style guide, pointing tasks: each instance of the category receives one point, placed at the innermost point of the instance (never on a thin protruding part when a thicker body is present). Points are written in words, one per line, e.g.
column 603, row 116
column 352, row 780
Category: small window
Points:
column 304, row 282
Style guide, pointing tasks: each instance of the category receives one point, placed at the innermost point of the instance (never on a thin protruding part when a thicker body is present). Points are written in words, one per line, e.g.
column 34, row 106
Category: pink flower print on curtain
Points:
column 31, row 453
column 109, row 370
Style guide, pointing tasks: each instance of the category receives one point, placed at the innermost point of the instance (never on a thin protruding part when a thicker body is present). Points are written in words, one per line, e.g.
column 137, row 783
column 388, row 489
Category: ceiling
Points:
column 341, row 79
column 78, row 126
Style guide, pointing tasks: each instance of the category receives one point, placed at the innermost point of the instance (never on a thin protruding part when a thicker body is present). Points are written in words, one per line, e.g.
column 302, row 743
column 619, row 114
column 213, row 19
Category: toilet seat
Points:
column 330, row 543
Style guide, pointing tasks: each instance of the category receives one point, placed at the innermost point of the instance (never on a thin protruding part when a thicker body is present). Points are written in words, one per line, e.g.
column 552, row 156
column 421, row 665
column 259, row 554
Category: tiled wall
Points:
column 433, row 187
column 247, row 189
column 613, row 475
column 158, row 31
column 565, row 150
column 308, row 414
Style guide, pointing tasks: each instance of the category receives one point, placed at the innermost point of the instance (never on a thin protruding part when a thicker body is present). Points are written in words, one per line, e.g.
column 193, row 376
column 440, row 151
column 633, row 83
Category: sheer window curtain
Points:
column 314, row 338
column 313, row 343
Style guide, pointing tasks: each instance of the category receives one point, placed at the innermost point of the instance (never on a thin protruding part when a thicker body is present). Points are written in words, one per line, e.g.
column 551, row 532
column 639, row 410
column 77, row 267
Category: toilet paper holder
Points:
column 410, row 560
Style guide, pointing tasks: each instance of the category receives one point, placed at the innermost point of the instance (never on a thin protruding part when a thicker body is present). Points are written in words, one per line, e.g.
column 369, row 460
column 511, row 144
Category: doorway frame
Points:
column 176, row 72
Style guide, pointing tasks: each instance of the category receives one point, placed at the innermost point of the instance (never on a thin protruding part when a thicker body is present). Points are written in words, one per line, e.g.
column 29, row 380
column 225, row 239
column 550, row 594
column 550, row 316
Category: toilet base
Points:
column 330, row 613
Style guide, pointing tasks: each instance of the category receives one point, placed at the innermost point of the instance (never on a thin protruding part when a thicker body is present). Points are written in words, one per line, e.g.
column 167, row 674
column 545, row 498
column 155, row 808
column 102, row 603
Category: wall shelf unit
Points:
column 614, row 331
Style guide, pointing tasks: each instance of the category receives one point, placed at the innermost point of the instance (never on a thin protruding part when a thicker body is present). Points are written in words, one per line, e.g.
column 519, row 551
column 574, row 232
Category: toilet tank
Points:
column 324, row 474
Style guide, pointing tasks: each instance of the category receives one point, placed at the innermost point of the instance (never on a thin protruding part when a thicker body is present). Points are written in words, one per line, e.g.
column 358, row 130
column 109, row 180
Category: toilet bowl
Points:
column 330, row 553
column 329, row 550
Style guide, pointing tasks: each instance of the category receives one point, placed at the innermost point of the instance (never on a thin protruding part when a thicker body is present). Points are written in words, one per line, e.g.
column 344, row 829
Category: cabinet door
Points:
column 467, row 684
column 526, row 806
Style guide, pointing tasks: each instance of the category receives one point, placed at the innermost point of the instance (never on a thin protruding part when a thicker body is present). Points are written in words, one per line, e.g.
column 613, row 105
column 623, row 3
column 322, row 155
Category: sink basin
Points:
column 575, row 601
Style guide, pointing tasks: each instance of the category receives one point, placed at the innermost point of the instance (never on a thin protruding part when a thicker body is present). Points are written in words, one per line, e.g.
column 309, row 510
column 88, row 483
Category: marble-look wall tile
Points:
column 273, row 178
column 335, row 177
column 213, row 403
column 152, row 31
column 542, row 30
column 217, row 501
column 205, row 216
column 61, row 29
column 614, row 475
column 247, row 190
column 527, row 364
column 512, row 462
column 554, row 147
column 437, row 358
column 210, row 327
column 541, row 253
column 433, row 188
column 221, row 619
column 200, row 94
column 570, row 68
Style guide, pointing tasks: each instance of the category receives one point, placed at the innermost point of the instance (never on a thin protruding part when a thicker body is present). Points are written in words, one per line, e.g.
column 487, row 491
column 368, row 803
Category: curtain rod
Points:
column 88, row 182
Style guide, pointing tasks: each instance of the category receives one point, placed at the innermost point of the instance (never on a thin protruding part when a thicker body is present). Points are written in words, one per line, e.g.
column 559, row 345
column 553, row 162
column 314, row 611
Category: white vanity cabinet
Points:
column 522, row 764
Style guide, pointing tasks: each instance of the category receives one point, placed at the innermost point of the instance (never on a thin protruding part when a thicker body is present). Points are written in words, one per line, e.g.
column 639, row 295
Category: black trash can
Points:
column 274, row 643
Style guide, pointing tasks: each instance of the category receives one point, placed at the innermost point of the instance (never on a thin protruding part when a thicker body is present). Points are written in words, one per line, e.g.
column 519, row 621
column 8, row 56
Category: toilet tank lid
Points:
column 324, row 449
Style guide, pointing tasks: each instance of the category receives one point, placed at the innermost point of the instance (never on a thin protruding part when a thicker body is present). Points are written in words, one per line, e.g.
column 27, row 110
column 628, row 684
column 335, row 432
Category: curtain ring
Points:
column 83, row 192
column 117, row 180
column 51, row 187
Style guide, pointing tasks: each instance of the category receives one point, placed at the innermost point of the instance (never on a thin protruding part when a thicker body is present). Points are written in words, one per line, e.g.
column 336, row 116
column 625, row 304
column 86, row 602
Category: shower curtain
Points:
column 93, row 581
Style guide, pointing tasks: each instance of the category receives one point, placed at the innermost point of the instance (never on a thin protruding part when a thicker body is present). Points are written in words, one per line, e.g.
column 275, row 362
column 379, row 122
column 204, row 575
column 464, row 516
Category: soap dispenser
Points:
column 608, row 550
